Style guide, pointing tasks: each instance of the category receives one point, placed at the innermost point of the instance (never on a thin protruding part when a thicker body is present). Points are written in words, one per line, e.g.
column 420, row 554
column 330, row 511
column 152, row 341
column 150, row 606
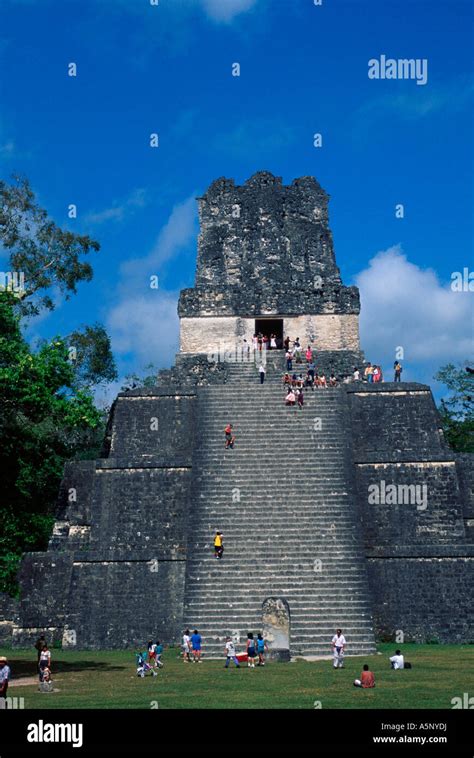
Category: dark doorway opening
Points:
column 269, row 326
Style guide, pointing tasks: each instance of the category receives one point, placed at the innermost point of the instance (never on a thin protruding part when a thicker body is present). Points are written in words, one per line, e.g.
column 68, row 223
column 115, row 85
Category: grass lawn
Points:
column 107, row 679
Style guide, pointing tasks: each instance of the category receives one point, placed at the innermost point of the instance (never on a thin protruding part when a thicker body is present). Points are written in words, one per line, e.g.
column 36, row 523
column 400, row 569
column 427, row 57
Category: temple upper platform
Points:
column 266, row 255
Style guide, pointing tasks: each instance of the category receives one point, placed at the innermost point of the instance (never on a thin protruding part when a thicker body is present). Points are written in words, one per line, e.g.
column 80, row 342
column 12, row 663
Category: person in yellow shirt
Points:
column 218, row 546
column 369, row 372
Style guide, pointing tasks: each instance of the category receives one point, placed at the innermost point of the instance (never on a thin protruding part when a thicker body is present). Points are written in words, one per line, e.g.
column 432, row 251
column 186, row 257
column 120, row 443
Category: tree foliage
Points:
column 145, row 379
column 457, row 408
column 44, row 420
column 91, row 356
column 45, row 254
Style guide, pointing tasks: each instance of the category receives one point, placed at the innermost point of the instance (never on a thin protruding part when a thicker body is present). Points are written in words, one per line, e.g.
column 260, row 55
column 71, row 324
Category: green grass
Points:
column 107, row 679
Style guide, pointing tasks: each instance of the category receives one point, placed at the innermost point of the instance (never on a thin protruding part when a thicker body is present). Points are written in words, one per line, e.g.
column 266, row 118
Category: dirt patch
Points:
column 25, row 680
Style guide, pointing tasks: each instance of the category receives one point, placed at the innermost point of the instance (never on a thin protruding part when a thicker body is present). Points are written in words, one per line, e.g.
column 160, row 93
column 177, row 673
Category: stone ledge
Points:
column 139, row 464
column 413, row 552
column 392, row 388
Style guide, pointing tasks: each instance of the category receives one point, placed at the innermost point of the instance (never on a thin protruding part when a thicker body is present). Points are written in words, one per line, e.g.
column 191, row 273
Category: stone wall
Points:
column 323, row 332
column 410, row 503
column 426, row 596
column 420, row 560
column 114, row 571
column 265, row 247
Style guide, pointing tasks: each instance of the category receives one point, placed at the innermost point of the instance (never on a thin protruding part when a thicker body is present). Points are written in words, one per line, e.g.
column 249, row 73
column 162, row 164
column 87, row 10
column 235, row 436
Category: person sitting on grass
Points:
column 367, row 679
column 397, row 661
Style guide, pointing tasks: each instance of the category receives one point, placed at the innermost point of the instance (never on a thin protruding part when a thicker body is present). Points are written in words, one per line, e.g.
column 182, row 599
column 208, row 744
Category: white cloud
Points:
column 405, row 305
column 147, row 326
column 144, row 323
column 173, row 237
column 226, row 10
column 449, row 97
column 118, row 211
column 259, row 135
column 7, row 149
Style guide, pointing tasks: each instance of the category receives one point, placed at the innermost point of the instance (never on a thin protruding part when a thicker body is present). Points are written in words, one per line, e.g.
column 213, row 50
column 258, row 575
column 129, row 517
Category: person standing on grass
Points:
column 5, row 674
column 338, row 643
column 251, row 652
column 261, row 648
column 186, row 645
column 261, row 371
column 158, row 653
column 39, row 644
column 196, row 644
column 45, row 660
column 151, row 652
column 367, row 679
column 230, row 654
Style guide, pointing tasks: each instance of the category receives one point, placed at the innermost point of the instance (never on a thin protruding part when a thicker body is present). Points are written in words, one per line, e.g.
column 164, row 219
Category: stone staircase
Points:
column 283, row 498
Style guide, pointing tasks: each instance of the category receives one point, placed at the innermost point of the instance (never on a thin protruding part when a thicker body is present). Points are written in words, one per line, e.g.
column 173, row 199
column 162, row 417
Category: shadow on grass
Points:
column 21, row 667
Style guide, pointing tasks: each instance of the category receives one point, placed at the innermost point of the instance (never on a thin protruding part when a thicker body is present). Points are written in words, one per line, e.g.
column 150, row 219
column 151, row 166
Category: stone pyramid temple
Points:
column 351, row 512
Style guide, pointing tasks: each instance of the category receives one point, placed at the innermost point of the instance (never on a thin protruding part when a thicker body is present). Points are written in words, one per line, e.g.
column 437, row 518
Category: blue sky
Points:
column 304, row 69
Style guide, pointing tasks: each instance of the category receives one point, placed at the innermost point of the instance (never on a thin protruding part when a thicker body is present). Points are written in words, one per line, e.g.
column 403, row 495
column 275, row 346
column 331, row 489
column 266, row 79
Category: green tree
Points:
column 91, row 356
column 457, row 408
column 45, row 419
column 147, row 379
column 45, row 255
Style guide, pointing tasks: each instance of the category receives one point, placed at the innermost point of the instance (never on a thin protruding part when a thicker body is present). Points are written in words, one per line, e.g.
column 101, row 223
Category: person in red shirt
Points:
column 367, row 679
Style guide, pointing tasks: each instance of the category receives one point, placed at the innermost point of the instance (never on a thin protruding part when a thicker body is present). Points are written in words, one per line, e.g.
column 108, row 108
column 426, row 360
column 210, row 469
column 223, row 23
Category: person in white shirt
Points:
column 261, row 371
column 338, row 643
column 230, row 654
column 356, row 375
column 397, row 661
column 186, row 646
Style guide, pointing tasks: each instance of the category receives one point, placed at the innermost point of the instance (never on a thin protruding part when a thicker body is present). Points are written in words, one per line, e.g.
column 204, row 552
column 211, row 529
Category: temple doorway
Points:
column 269, row 326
